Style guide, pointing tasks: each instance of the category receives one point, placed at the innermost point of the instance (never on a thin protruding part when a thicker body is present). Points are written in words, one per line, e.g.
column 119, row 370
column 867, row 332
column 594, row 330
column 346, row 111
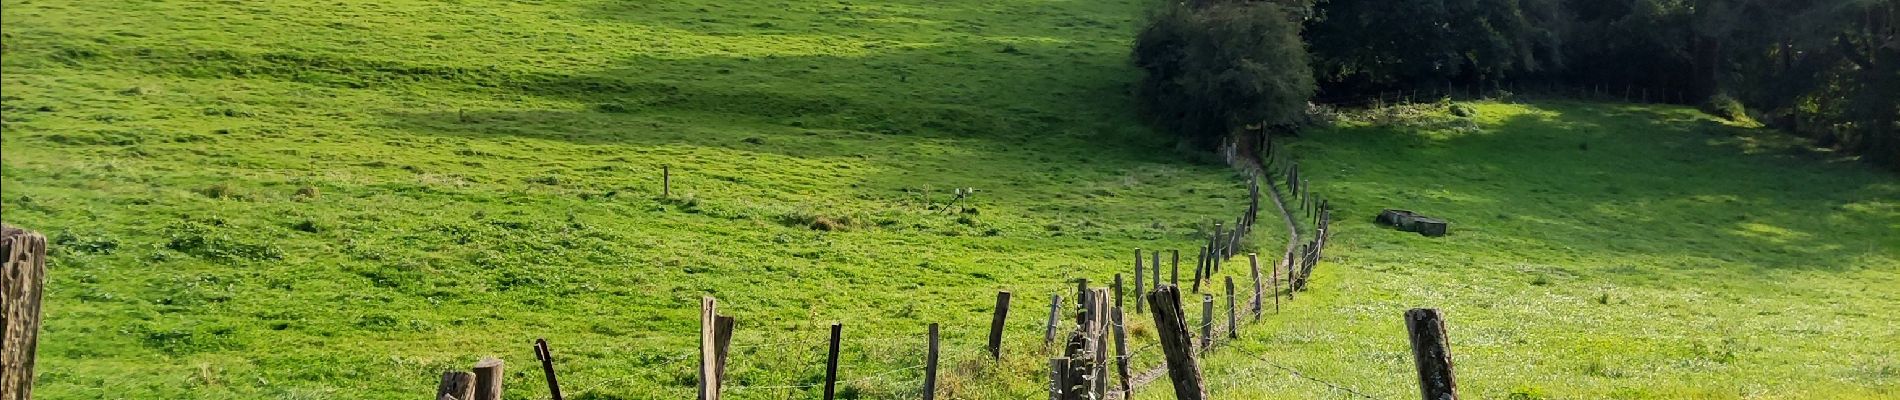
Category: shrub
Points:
column 1726, row 107
column 1216, row 68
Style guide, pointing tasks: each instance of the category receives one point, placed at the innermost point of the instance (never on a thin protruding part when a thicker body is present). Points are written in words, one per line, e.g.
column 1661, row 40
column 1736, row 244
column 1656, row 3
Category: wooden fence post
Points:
column 996, row 324
column 1058, row 370
column 831, row 361
column 1174, row 269
column 546, row 356
column 1253, row 259
column 1200, row 265
column 666, row 180
column 1431, row 353
column 1207, row 321
column 1049, row 335
column 456, row 385
column 708, row 348
column 930, row 363
column 1121, row 349
column 1157, row 276
column 1172, row 328
column 1139, row 287
column 1082, row 291
column 1233, row 320
column 722, row 341
column 1118, row 290
column 22, row 282
column 488, row 379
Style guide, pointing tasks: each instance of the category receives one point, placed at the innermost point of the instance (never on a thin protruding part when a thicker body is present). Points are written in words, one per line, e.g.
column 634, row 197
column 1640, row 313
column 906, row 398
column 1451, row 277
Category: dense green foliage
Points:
column 1827, row 69
column 1366, row 45
column 1217, row 67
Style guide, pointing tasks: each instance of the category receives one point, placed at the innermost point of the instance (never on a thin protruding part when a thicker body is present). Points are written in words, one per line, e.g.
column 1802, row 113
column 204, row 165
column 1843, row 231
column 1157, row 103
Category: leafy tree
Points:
column 1214, row 67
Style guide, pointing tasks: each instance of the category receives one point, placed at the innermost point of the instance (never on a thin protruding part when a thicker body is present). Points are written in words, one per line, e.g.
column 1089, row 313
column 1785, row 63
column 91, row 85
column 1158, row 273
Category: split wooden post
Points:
column 1219, row 248
column 1253, row 259
column 488, row 379
column 666, row 180
column 1049, row 335
column 831, row 361
column 1431, row 353
column 22, row 284
column 1233, row 320
column 996, row 324
column 708, row 348
column 457, row 385
column 1118, row 290
column 1207, row 321
column 1184, row 371
column 930, row 363
column 1139, row 287
column 1121, row 349
column 546, row 356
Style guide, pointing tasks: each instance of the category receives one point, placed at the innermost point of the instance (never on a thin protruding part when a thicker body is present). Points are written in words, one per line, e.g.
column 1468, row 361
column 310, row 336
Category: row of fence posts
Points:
column 1081, row 372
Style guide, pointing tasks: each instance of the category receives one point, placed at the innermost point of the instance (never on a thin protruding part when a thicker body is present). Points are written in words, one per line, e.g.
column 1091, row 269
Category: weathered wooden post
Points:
column 1174, row 267
column 1118, row 290
column 1233, row 320
column 996, row 324
column 1058, row 371
column 930, row 363
column 1200, row 266
column 708, row 348
column 831, row 361
column 1431, row 353
column 1172, row 328
column 488, row 379
column 1253, row 259
column 1121, row 349
column 1207, row 321
column 457, row 385
column 666, row 180
column 1049, row 335
column 1139, row 288
column 1157, row 276
column 22, row 282
column 546, row 356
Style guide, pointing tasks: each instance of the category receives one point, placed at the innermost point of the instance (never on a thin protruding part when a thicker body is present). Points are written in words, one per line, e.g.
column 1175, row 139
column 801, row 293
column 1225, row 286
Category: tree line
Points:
column 1825, row 69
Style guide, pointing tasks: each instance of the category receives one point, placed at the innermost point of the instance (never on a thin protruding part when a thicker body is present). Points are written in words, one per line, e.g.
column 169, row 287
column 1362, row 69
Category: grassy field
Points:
column 341, row 200
column 1597, row 252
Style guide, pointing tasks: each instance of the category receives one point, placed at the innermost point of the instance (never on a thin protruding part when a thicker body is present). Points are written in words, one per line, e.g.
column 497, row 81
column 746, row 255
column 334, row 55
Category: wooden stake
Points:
column 1121, row 350
column 1171, row 326
column 930, row 363
column 1139, row 288
column 22, row 284
column 488, row 379
column 666, row 180
column 1198, row 267
column 996, row 325
column 546, row 356
column 1431, row 354
column 1253, row 259
column 1233, row 320
column 1157, row 275
column 1207, row 321
column 1174, row 269
column 1118, row 290
column 831, row 362
column 1049, row 335
column 708, row 348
